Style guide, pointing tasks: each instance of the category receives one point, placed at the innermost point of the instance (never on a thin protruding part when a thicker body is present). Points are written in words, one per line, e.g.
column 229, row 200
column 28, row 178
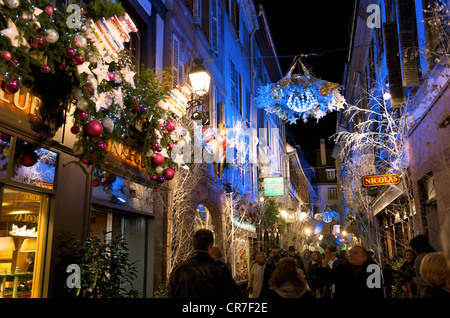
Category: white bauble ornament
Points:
column 82, row 104
column 52, row 36
column 12, row 4
column 108, row 123
column 159, row 169
column 80, row 40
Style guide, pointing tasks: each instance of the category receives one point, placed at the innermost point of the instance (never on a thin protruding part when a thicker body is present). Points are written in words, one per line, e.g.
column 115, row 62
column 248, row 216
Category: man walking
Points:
column 351, row 279
column 200, row 276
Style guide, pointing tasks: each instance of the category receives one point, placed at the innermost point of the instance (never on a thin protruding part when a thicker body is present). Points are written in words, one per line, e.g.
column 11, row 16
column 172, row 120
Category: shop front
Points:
column 46, row 191
column 27, row 191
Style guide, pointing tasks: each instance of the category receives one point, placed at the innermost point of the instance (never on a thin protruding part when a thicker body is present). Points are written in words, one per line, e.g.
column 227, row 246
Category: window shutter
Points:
column 393, row 63
column 234, row 83
column 197, row 11
column 214, row 38
column 175, row 61
column 409, row 43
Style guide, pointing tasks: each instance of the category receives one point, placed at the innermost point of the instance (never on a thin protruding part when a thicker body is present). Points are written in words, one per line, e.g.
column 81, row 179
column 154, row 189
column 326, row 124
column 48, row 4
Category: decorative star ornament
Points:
column 100, row 101
column 13, row 34
column 118, row 97
column 292, row 120
column 84, row 68
column 101, row 71
column 127, row 75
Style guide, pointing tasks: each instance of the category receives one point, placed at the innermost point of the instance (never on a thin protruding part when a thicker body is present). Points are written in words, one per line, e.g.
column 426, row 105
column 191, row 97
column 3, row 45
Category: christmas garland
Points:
column 65, row 58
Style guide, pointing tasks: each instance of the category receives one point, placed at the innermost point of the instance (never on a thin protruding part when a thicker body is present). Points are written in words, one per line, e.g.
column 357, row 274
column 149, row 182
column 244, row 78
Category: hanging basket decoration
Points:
column 298, row 96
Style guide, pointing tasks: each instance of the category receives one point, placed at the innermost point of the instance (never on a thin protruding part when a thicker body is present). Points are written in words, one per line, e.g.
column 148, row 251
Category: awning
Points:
column 386, row 197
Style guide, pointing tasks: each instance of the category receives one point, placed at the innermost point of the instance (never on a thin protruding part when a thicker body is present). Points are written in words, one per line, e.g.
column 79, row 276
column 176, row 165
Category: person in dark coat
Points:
column 298, row 258
column 200, row 276
column 351, row 279
column 421, row 245
column 270, row 268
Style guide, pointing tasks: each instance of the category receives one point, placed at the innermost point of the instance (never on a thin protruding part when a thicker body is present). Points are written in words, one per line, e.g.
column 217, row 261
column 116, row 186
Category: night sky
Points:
column 311, row 27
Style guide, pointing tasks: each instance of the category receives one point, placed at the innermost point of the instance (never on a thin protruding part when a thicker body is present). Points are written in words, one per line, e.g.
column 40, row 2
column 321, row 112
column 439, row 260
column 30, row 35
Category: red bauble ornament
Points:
column 157, row 159
column 62, row 66
column 28, row 158
column 153, row 178
column 94, row 129
column 75, row 130
column 83, row 115
column 101, row 145
column 85, row 161
column 156, row 190
column 168, row 174
column 171, row 125
column 111, row 76
column 5, row 56
column 38, row 42
column 45, row 69
column 95, row 183
column 48, row 10
column 70, row 52
column 10, row 87
column 171, row 145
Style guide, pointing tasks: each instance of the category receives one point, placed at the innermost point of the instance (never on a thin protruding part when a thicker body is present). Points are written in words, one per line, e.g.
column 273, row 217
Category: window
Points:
column 197, row 11
column 235, row 79
column 332, row 194
column 177, row 65
column 331, row 174
column 235, row 17
column 21, row 241
column 214, row 26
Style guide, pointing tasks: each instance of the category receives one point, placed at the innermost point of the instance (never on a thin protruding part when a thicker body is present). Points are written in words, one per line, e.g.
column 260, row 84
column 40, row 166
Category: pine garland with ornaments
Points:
column 88, row 65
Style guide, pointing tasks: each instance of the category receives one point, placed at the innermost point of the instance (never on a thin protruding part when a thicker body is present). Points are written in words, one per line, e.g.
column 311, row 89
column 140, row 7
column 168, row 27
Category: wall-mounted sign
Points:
column 380, row 180
column 273, row 186
column 125, row 153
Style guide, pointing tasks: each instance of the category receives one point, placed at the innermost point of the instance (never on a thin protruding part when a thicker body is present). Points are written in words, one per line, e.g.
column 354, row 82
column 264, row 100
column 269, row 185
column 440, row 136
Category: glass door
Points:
column 21, row 219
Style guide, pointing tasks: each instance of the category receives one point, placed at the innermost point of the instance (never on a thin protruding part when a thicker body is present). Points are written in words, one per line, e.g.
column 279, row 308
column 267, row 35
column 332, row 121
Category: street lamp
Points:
column 200, row 82
column 200, row 78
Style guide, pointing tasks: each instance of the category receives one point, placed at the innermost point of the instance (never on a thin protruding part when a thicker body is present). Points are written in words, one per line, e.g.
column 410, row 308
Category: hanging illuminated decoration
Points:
column 299, row 96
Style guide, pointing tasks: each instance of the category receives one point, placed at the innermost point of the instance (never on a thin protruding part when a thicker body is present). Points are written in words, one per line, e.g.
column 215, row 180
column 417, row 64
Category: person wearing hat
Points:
column 298, row 258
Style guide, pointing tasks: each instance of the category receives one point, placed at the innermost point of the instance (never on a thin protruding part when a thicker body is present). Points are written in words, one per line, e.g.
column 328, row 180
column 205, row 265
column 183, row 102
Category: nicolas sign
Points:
column 380, row 180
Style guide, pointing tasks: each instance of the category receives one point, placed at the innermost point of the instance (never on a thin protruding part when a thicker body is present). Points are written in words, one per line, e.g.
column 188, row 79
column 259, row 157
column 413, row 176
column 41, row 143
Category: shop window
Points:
column 34, row 166
column 122, row 192
column 20, row 242
column 140, row 197
column 5, row 140
column 112, row 191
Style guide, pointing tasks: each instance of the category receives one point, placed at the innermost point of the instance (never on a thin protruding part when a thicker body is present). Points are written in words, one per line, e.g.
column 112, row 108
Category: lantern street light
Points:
column 200, row 82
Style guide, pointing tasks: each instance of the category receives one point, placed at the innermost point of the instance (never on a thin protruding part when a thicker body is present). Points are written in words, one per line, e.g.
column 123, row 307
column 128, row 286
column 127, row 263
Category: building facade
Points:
column 394, row 53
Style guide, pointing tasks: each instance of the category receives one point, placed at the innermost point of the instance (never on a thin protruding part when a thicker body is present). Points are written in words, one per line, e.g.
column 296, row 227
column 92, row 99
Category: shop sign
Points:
column 244, row 225
column 273, row 186
column 125, row 153
column 26, row 103
column 380, row 180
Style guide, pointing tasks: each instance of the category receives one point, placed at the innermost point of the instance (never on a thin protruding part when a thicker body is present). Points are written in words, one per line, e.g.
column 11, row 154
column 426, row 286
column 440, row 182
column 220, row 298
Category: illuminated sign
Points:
column 380, row 180
column 125, row 153
column 273, row 187
column 21, row 102
column 244, row 225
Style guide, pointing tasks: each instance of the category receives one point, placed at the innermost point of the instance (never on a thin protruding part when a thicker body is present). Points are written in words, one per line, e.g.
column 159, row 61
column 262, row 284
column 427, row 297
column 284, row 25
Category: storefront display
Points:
column 20, row 241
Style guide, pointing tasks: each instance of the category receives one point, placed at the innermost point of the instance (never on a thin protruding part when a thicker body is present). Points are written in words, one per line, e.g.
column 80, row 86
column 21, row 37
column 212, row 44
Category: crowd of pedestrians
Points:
column 357, row 273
